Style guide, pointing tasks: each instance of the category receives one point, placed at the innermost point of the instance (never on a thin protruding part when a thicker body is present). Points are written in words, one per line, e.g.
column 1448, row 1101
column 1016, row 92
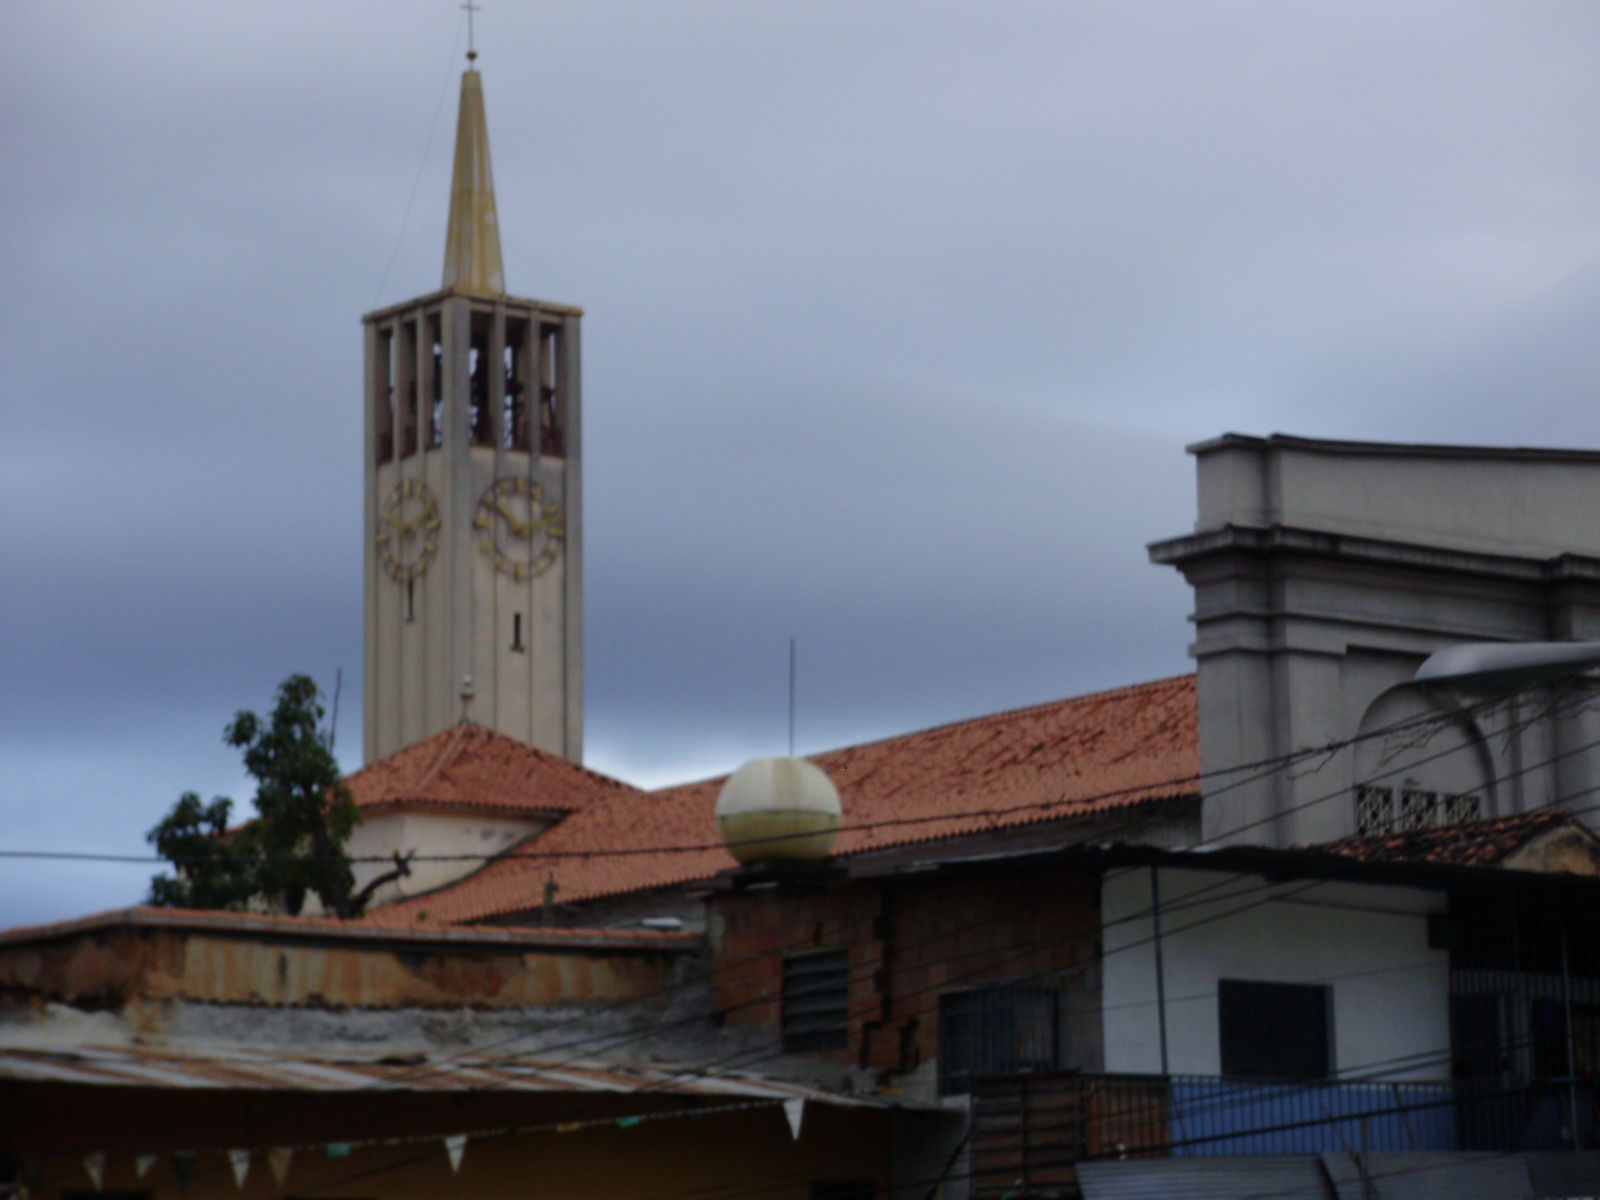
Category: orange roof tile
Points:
column 1485, row 843
column 475, row 768
column 1090, row 754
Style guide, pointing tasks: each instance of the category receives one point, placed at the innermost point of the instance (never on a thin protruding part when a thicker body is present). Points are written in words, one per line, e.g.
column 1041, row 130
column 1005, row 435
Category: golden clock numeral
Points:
column 402, row 554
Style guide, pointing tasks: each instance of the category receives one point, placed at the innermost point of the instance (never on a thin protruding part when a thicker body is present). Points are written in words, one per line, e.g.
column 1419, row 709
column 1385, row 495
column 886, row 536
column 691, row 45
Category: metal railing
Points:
column 1034, row 1126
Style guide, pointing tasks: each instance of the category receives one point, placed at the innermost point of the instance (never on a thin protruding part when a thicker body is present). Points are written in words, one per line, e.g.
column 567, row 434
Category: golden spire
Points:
column 472, row 245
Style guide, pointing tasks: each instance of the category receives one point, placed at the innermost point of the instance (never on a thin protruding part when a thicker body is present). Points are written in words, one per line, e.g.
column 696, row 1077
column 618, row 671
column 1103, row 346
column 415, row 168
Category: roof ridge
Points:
column 451, row 745
column 986, row 718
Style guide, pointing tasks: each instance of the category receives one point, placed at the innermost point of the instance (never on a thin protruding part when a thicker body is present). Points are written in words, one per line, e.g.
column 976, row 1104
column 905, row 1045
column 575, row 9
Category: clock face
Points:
column 408, row 530
column 519, row 529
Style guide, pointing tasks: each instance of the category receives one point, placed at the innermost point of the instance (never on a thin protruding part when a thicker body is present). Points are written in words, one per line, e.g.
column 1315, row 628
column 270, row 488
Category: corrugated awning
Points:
column 271, row 1069
column 1393, row 1176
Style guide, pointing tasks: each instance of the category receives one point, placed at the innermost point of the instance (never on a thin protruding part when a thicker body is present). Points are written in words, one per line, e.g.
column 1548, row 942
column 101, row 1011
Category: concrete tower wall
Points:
column 474, row 522
column 1323, row 574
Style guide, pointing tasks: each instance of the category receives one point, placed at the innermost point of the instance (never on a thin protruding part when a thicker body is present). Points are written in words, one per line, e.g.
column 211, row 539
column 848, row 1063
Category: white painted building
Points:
column 1364, row 947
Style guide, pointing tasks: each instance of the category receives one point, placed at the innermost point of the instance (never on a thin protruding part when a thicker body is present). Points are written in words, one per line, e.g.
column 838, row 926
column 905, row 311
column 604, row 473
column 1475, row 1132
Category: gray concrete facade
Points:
column 1324, row 572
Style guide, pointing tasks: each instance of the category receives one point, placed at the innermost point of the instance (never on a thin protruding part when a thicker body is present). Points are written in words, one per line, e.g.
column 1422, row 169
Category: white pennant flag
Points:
column 794, row 1110
column 95, row 1163
column 455, row 1146
column 240, row 1161
column 183, row 1169
column 278, row 1159
column 143, row 1163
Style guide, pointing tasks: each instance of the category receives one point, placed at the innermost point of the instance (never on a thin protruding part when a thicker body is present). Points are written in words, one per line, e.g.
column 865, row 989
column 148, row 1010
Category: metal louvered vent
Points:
column 816, row 994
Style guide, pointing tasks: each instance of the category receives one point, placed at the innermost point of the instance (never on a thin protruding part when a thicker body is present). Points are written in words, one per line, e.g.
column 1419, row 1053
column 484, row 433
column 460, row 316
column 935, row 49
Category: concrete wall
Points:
column 1325, row 572
column 110, row 969
column 1495, row 500
column 1369, row 944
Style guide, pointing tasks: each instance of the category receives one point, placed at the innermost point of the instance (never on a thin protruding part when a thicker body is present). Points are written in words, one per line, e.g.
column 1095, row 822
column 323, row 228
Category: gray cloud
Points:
column 899, row 317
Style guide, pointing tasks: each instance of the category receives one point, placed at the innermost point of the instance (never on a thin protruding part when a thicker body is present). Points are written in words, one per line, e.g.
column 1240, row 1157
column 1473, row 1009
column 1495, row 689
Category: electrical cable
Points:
column 416, row 183
column 1264, row 768
column 1409, row 766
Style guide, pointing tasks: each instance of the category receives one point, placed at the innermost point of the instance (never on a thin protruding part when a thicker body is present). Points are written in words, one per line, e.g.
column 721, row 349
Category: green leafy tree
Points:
column 295, row 844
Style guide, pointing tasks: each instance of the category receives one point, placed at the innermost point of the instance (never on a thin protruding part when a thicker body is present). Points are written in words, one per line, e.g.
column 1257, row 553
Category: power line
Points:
column 1263, row 768
column 1033, row 946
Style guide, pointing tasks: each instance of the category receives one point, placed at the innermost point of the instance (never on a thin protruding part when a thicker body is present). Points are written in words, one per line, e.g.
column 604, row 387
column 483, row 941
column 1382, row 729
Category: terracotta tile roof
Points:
column 471, row 767
column 1091, row 754
column 1470, row 844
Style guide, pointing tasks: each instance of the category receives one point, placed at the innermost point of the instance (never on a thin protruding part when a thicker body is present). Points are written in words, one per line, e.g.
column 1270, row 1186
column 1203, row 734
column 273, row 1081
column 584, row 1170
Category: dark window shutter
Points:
column 1273, row 1030
column 816, row 1001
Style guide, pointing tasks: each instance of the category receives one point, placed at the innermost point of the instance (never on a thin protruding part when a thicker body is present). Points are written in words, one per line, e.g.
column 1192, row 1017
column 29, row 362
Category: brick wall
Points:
column 909, row 942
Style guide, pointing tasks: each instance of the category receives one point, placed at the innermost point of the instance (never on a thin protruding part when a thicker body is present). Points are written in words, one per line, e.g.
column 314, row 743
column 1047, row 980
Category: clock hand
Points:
column 520, row 528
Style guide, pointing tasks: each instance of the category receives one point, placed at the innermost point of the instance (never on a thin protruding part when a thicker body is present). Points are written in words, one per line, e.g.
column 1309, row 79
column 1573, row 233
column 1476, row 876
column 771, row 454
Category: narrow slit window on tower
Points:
column 436, row 387
column 478, row 389
column 551, row 435
column 407, row 363
column 411, row 599
column 383, row 397
column 516, row 631
column 514, row 417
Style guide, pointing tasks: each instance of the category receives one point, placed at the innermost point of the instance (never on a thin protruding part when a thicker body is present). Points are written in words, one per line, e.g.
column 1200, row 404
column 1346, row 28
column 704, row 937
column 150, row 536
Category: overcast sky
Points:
column 899, row 316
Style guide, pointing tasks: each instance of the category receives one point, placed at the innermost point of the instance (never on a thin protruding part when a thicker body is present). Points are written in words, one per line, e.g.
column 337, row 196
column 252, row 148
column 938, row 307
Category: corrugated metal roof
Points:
column 1279, row 1177
column 1432, row 1176
column 1393, row 1176
column 274, row 1070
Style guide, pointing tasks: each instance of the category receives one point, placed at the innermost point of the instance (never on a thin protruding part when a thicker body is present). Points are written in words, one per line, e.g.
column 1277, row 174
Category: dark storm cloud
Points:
column 898, row 317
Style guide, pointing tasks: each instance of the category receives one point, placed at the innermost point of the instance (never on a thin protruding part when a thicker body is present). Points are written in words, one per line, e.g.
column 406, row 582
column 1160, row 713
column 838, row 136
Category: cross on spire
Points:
column 472, row 46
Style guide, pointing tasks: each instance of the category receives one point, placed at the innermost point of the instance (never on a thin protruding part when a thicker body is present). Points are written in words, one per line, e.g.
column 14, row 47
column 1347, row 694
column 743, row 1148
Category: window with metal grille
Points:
column 1273, row 1030
column 1374, row 809
column 1416, row 809
column 816, row 1000
column 1377, row 811
column 1462, row 808
column 998, row 1029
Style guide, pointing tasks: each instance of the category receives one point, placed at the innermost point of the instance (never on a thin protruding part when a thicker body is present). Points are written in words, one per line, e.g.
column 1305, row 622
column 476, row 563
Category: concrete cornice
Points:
column 1284, row 441
column 483, row 301
column 1278, row 540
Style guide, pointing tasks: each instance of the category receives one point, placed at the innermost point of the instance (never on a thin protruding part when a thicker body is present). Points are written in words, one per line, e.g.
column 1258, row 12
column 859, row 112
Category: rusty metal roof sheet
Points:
column 376, row 927
column 275, row 1070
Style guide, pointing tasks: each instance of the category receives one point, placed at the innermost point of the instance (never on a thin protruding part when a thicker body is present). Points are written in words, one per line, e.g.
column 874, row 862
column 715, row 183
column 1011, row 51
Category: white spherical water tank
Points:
column 779, row 809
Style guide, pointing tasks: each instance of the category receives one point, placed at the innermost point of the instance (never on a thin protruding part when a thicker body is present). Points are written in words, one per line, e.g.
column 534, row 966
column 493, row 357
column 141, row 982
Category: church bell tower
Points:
column 473, row 493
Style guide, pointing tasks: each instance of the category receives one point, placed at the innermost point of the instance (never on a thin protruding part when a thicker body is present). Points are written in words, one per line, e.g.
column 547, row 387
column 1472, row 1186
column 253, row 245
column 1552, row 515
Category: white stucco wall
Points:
column 1369, row 944
column 431, row 834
